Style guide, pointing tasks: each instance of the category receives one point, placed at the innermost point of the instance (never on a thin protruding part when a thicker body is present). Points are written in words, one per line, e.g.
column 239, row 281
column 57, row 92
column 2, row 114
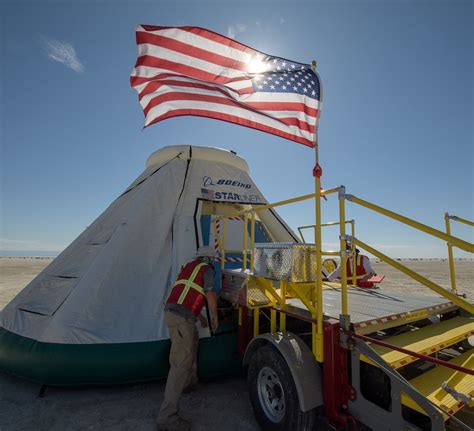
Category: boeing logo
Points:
column 207, row 181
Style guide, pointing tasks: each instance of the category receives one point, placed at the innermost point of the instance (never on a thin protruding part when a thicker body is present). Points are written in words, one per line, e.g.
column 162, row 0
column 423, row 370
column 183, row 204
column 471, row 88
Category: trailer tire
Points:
column 273, row 394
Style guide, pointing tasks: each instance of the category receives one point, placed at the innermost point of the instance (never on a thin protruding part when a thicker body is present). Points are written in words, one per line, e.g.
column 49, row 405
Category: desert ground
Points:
column 216, row 405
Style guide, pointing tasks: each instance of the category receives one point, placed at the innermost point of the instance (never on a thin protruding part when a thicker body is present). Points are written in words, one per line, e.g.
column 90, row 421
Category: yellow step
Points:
column 426, row 341
column 429, row 384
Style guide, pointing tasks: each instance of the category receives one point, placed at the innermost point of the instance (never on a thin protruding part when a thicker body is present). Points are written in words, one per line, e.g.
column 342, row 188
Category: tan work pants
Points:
column 184, row 344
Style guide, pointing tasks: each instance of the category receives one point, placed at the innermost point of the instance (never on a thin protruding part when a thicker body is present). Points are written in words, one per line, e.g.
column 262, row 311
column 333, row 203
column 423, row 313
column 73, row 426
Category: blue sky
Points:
column 396, row 125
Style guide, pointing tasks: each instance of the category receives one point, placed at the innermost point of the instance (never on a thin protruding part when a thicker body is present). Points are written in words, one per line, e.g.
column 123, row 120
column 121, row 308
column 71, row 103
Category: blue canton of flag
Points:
column 284, row 76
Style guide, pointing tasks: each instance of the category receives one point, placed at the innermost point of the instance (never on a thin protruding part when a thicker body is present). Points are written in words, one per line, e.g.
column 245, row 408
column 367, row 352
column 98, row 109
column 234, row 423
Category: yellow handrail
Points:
column 464, row 245
column 267, row 206
column 461, row 220
column 452, row 272
column 428, row 283
column 314, row 299
column 281, row 203
column 312, row 226
column 342, row 245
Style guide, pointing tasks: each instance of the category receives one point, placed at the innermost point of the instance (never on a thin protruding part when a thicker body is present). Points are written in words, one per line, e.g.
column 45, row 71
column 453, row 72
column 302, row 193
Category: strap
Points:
column 189, row 283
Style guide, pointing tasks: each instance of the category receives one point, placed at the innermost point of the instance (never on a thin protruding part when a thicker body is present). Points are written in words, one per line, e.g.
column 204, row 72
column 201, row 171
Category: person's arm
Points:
column 211, row 298
column 212, row 304
column 368, row 266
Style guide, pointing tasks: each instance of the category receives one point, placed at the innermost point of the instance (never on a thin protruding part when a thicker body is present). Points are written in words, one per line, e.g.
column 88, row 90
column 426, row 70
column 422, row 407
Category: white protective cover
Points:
column 110, row 284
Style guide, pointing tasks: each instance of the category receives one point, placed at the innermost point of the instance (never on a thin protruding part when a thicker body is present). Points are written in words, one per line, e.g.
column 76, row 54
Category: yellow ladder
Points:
column 427, row 340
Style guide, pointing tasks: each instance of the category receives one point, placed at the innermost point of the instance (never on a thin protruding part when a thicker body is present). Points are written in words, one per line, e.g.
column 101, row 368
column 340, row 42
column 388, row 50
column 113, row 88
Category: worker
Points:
column 193, row 289
column 364, row 270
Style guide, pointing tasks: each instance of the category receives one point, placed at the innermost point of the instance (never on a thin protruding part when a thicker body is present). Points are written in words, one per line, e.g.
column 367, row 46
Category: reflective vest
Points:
column 360, row 270
column 188, row 290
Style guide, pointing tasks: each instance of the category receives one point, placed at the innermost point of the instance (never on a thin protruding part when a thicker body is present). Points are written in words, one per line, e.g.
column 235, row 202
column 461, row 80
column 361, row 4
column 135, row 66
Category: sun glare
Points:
column 256, row 65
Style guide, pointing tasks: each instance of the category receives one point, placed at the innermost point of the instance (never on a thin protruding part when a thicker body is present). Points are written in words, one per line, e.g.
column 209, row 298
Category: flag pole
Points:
column 317, row 297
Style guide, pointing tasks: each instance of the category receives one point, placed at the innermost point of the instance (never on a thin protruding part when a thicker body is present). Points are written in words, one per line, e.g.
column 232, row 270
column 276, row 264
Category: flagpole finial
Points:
column 314, row 63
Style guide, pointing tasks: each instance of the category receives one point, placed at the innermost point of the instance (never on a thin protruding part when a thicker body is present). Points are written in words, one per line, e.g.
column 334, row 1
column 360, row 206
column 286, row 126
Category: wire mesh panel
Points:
column 286, row 261
column 239, row 287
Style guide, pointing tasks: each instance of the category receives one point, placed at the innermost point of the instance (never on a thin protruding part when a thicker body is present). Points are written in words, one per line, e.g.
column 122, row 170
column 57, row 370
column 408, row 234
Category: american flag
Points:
column 207, row 194
column 193, row 71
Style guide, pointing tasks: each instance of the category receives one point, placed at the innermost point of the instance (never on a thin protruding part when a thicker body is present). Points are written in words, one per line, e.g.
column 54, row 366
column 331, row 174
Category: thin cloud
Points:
column 282, row 20
column 62, row 52
column 15, row 244
column 234, row 30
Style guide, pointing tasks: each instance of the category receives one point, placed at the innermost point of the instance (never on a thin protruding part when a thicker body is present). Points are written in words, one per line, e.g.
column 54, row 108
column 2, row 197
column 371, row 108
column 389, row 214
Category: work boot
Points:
column 177, row 425
column 195, row 384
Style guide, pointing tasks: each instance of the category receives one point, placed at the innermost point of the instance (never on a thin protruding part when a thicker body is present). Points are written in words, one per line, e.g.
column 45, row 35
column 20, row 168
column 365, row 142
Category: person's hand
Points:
column 214, row 323
column 203, row 321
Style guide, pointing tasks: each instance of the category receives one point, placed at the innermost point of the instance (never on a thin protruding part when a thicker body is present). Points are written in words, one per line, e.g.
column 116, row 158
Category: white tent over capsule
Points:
column 110, row 284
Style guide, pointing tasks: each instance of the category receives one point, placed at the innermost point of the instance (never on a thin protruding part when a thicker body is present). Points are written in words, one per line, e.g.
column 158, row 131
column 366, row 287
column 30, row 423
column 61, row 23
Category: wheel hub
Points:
column 271, row 395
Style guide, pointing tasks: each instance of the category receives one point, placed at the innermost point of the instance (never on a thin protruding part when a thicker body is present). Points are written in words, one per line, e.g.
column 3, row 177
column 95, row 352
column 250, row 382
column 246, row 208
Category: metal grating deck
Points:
column 372, row 310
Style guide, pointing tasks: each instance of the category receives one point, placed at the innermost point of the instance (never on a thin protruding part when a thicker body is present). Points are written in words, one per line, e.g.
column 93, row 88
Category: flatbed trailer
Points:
column 354, row 358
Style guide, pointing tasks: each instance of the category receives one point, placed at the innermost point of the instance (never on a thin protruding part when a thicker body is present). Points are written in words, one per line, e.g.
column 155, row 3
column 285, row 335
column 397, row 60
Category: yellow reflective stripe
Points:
column 190, row 283
column 196, row 270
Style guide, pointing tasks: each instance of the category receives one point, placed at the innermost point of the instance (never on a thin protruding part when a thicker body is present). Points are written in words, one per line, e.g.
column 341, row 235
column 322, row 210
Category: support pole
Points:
column 252, row 240
column 450, row 254
column 317, row 297
column 283, row 290
column 223, row 243
column 353, row 247
column 256, row 321
column 246, row 234
column 342, row 245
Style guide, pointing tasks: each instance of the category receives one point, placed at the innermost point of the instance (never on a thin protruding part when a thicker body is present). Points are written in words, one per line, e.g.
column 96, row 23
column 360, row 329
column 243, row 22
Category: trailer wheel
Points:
column 273, row 394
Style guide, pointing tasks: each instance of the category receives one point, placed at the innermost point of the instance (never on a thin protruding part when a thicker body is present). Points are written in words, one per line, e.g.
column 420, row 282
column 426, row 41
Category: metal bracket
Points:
column 341, row 192
column 347, row 238
column 465, row 399
column 345, row 196
column 345, row 321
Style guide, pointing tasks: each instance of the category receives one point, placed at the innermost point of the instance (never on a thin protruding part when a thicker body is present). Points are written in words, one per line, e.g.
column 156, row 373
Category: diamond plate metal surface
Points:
column 366, row 305
column 239, row 288
column 286, row 261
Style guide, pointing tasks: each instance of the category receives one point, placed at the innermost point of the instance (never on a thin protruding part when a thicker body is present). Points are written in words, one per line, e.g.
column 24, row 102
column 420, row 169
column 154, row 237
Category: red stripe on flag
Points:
column 284, row 106
column 232, row 119
column 155, row 85
column 222, row 101
column 207, row 34
column 149, row 61
column 263, row 106
column 190, row 50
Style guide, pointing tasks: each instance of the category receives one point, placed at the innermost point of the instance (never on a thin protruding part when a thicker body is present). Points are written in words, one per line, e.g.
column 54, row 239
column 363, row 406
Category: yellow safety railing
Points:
column 335, row 253
column 451, row 240
column 452, row 273
column 310, row 294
